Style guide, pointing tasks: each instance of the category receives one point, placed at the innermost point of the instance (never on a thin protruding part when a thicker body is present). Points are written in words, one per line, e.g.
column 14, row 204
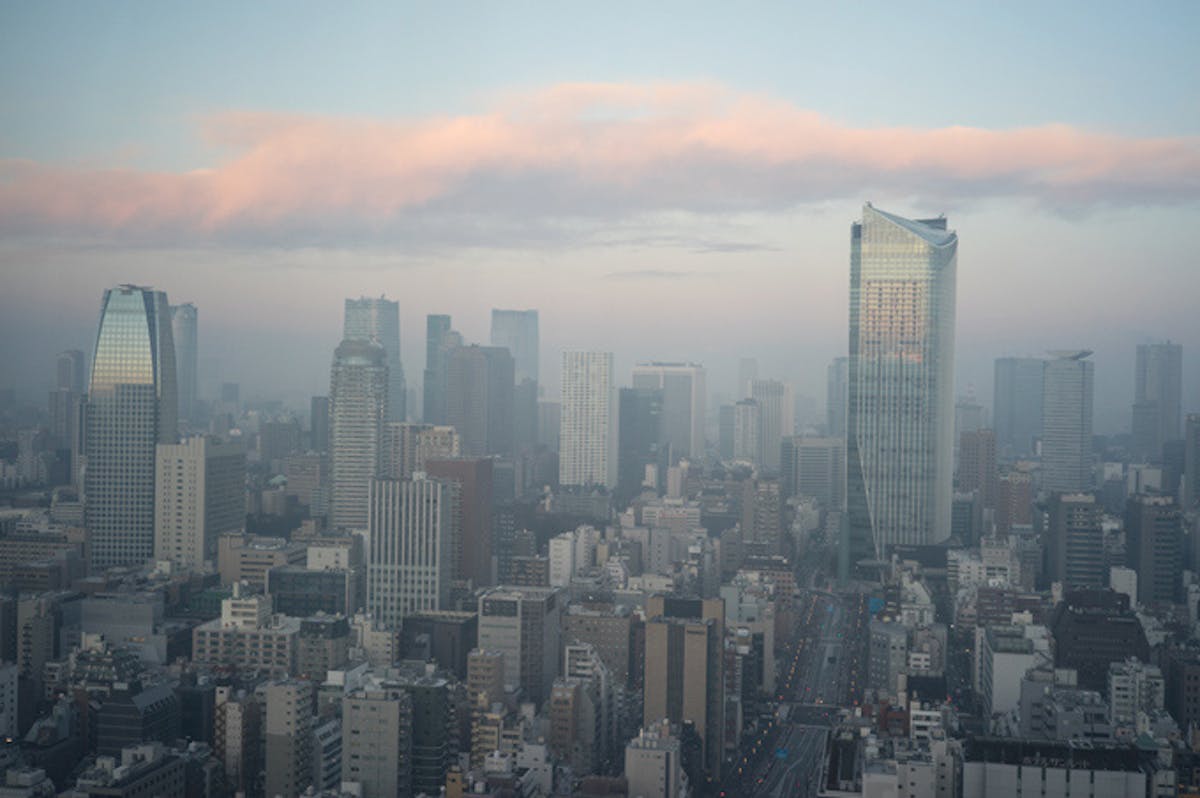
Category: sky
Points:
column 665, row 181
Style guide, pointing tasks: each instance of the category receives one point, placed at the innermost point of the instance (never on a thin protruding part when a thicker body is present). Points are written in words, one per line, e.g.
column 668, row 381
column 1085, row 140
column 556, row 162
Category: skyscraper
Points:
column 471, row 514
column 639, row 413
column 587, row 437
column 1076, row 541
column 66, row 410
column 836, row 391
column 479, row 399
column 1154, row 537
column 1157, row 399
column 517, row 331
column 358, row 392
column 318, row 423
column 683, row 405
column 410, row 562
column 184, row 325
column 1067, row 422
column 440, row 340
column 777, row 418
column 378, row 320
column 1017, row 405
column 132, row 407
column 900, row 405
column 72, row 371
column 1191, row 461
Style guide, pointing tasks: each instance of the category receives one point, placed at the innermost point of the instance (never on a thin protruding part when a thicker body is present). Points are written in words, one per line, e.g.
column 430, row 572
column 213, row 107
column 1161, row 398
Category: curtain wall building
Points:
column 1157, row 401
column 132, row 407
column 683, row 405
column 900, row 403
column 1017, row 406
column 1067, row 422
column 184, row 327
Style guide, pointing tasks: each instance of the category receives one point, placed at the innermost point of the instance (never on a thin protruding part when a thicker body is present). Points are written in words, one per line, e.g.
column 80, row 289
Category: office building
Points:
column 776, row 414
column 247, row 637
column 684, row 670
column 654, row 763
column 517, row 331
column 900, row 411
column 410, row 561
column 378, row 320
column 358, row 401
column 640, row 415
column 184, row 327
column 479, row 399
column 1017, row 406
column 1157, row 400
column 1093, row 629
column 524, row 624
column 588, row 435
column 837, row 389
column 445, row 637
column 977, row 467
column 747, row 432
column 406, row 448
column 200, row 494
column 1067, row 422
column 377, row 744
column 683, row 405
column 1076, row 541
column 288, row 737
column 815, row 468
column 318, row 424
column 132, row 407
column 471, row 514
column 1154, row 543
column 440, row 341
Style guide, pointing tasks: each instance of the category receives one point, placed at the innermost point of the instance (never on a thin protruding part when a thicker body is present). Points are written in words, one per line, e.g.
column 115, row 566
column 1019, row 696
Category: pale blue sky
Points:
column 87, row 88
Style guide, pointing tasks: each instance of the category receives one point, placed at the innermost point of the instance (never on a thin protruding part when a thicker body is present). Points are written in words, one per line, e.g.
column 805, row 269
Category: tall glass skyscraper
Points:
column 900, row 408
column 1157, row 399
column 1017, row 405
column 378, row 320
column 184, row 323
column 517, row 331
column 1067, row 422
column 132, row 407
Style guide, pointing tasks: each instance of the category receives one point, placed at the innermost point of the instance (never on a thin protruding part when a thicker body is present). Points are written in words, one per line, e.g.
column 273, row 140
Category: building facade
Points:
column 378, row 320
column 358, row 402
column 587, row 437
column 200, row 494
column 1067, row 422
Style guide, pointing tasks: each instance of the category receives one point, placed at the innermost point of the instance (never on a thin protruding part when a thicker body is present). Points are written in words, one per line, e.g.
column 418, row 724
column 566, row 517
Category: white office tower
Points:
column 777, row 417
column 681, row 420
column 358, row 400
column 588, row 428
column 200, row 494
column 132, row 406
column 184, row 323
column 900, row 410
column 1067, row 422
column 411, row 547
column 747, row 431
column 378, row 320
column 654, row 764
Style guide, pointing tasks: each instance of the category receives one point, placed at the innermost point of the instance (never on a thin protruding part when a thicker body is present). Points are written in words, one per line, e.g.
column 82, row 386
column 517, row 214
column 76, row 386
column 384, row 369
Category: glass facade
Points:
column 132, row 406
column 900, row 409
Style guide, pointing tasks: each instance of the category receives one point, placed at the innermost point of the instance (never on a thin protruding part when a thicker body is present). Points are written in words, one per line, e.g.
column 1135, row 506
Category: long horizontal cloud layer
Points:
column 571, row 154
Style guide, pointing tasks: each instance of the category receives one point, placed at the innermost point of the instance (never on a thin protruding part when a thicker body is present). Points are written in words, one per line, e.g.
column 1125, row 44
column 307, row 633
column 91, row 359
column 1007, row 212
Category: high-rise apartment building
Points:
column 837, row 388
column 588, row 435
column 524, row 624
column 1154, row 542
column 1017, row 406
column 440, row 341
column 185, row 324
column 900, row 399
column 1157, row 400
column 378, row 320
column 777, row 418
column 200, row 494
column 1076, row 541
column 412, row 541
column 479, row 399
column 358, row 400
column 132, row 407
column 1067, row 422
column 683, row 405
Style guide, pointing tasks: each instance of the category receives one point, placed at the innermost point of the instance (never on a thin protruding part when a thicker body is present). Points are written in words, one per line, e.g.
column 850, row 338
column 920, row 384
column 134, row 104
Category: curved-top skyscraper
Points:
column 900, row 414
column 358, row 402
column 132, row 406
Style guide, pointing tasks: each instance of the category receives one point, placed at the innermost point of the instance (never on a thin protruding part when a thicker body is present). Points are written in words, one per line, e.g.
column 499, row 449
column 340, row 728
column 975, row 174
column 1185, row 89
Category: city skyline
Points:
column 182, row 182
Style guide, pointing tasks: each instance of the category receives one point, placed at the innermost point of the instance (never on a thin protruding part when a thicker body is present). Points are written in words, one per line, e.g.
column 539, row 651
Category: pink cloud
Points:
column 578, row 151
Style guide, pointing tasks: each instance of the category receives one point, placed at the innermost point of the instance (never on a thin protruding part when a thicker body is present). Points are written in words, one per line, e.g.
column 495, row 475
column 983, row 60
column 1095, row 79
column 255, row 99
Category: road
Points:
column 819, row 675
